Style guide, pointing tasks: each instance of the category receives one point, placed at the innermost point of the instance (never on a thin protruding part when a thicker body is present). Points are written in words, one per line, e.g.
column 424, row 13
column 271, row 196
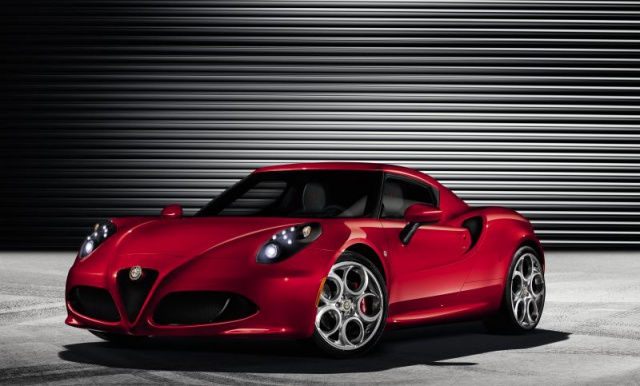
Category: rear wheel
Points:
column 524, row 295
column 352, row 310
column 118, row 339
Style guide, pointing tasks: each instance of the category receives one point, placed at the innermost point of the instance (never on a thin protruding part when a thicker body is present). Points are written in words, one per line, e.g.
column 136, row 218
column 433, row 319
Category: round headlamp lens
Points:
column 88, row 247
column 271, row 251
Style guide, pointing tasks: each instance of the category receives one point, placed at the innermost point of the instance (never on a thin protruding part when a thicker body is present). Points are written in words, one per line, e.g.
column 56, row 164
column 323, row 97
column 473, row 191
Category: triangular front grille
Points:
column 135, row 292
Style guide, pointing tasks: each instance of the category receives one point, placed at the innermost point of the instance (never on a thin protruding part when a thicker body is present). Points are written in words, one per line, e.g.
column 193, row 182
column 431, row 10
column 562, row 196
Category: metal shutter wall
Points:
column 120, row 107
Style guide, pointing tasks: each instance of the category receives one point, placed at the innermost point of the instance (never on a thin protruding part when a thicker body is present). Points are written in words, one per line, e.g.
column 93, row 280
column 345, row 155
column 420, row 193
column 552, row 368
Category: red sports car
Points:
column 332, row 252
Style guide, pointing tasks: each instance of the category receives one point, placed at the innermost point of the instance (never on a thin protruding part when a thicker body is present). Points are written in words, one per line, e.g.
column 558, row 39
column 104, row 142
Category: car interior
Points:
column 329, row 196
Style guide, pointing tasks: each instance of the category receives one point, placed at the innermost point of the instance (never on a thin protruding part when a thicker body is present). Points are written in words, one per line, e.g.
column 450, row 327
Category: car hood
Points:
column 195, row 236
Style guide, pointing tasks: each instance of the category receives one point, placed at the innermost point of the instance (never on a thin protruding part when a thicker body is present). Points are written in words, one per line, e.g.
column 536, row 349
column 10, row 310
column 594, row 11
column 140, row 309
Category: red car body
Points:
column 442, row 275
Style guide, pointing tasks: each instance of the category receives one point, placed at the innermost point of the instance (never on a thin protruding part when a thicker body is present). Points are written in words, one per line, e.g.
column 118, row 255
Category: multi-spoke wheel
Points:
column 524, row 295
column 352, row 308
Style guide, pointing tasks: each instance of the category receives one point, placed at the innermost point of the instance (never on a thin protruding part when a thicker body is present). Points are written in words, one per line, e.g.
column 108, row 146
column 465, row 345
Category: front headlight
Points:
column 288, row 242
column 101, row 231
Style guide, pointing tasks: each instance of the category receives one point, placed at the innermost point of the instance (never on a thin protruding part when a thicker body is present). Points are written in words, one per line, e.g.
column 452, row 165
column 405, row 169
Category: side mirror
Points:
column 422, row 213
column 417, row 215
column 172, row 211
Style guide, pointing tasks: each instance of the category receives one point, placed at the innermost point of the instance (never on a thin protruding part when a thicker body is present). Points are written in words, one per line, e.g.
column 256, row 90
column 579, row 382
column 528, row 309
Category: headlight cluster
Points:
column 288, row 242
column 101, row 231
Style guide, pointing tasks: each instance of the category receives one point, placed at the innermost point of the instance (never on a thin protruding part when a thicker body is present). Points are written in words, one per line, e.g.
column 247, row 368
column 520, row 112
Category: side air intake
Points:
column 474, row 225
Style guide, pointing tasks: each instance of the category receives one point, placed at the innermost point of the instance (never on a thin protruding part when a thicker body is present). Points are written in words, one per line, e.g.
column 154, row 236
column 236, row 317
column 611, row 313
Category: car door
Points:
column 429, row 271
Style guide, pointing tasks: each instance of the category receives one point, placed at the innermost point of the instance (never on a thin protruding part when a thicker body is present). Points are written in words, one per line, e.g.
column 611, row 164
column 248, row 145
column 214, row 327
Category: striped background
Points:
column 120, row 107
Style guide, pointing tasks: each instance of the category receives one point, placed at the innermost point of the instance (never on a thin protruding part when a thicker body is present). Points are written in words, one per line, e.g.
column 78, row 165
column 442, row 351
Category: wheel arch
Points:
column 535, row 244
column 370, row 254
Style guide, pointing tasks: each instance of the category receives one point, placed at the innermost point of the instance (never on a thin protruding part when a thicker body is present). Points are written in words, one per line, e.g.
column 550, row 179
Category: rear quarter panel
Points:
column 504, row 231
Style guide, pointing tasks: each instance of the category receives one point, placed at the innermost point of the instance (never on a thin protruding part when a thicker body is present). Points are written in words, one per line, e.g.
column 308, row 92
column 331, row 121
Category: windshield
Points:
column 300, row 193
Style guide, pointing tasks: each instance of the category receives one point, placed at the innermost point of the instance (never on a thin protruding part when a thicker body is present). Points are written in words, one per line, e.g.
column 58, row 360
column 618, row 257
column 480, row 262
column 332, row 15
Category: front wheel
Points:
column 352, row 309
column 524, row 295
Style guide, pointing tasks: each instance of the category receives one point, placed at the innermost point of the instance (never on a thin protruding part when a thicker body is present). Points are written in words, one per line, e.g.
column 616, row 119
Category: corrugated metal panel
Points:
column 120, row 107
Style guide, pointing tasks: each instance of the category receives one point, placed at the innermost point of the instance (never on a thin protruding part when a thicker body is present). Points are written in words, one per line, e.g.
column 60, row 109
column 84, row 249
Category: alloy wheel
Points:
column 350, row 308
column 527, row 291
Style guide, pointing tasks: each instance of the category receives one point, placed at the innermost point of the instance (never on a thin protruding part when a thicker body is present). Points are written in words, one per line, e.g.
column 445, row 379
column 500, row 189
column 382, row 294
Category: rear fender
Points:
column 504, row 232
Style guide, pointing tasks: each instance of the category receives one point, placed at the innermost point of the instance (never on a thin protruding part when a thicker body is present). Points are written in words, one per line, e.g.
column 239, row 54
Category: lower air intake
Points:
column 202, row 307
column 95, row 303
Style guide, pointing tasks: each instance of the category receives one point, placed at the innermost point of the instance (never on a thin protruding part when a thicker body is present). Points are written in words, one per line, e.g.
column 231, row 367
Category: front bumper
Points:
column 284, row 293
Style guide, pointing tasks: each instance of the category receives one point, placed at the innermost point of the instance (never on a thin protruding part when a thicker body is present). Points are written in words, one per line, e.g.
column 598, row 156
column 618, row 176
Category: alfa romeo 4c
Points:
column 331, row 252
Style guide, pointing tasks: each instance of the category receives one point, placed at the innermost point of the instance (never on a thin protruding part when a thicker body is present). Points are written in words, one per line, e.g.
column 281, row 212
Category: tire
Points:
column 118, row 339
column 522, row 305
column 356, row 313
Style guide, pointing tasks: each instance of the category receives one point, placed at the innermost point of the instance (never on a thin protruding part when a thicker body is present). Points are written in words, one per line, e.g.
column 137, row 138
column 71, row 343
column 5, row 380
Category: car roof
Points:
column 360, row 166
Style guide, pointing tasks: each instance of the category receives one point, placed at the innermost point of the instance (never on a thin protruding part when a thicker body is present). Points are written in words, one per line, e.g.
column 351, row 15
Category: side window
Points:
column 399, row 194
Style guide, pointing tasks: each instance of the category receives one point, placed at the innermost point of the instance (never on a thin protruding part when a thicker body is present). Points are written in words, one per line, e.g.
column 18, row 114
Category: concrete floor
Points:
column 589, row 333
